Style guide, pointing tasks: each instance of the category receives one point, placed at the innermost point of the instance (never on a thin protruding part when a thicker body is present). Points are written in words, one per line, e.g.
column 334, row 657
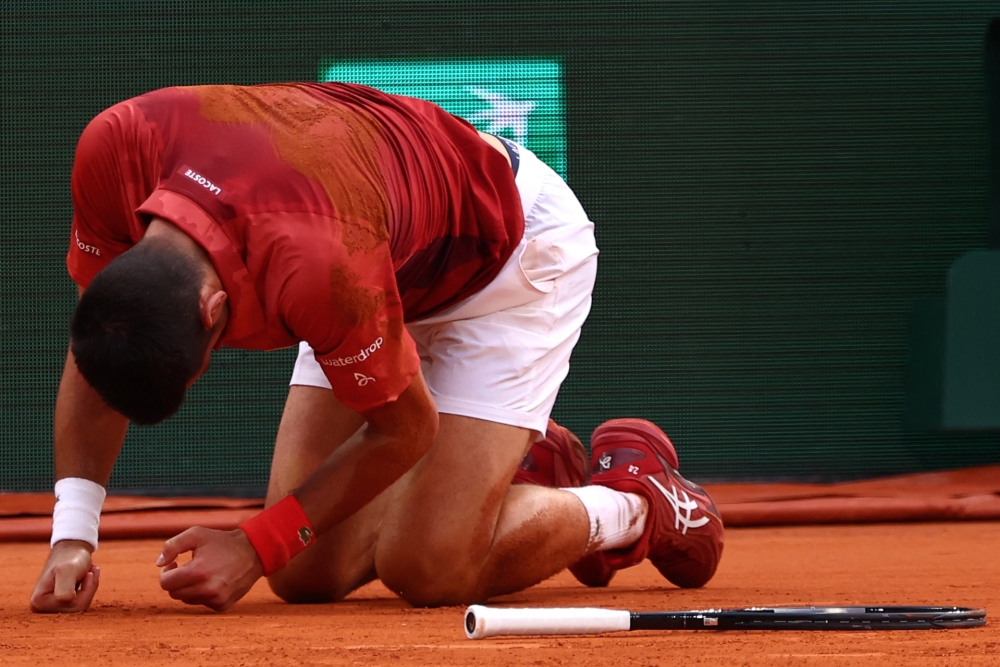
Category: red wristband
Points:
column 279, row 532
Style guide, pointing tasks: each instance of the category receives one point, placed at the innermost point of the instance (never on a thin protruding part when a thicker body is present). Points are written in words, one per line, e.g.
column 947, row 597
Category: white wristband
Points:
column 78, row 510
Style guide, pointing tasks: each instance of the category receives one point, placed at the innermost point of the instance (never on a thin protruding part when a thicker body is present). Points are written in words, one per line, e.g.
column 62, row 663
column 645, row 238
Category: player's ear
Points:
column 210, row 305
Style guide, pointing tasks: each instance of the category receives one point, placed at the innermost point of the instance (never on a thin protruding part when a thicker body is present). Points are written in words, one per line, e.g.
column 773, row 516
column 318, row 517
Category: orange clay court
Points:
column 949, row 561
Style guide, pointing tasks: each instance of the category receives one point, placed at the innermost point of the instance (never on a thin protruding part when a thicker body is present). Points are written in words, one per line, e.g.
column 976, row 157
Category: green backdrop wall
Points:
column 773, row 183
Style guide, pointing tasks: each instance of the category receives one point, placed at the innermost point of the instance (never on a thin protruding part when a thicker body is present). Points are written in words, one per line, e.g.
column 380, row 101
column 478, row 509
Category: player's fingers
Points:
column 189, row 594
column 41, row 597
column 67, row 576
column 179, row 577
column 175, row 546
column 88, row 588
column 202, row 594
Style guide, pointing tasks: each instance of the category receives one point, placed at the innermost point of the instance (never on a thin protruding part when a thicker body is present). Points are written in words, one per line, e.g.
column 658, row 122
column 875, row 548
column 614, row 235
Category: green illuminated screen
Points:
column 521, row 100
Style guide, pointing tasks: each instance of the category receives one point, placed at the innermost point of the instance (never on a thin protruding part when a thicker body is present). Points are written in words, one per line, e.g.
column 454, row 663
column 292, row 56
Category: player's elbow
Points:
column 410, row 438
column 420, row 439
column 409, row 425
column 415, row 421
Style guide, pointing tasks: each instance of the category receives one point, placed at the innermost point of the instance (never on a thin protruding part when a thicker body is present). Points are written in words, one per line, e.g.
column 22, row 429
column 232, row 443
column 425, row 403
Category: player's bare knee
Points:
column 438, row 592
column 299, row 586
column 428, row 577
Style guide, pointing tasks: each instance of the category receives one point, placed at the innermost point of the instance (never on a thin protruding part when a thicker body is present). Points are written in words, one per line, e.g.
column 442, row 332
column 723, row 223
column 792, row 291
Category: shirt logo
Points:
column 363, row 379
column 360, row 356
column 204, row 182
column 93, row 250
column 687, row 505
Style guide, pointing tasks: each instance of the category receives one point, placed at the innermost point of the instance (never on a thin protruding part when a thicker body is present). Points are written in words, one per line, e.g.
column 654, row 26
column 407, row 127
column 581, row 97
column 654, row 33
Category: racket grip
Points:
column 483, row 621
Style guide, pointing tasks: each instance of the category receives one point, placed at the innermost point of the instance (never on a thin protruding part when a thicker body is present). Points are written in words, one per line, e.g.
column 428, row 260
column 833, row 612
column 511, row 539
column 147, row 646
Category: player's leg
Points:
column 458, row 531
column 313, row 425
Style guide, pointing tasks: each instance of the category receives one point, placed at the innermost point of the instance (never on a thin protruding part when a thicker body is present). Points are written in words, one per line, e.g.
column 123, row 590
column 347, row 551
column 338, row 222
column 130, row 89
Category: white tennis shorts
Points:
column 501, row 354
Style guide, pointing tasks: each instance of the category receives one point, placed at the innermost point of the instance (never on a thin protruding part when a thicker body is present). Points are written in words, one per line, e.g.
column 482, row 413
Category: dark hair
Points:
column 137, row 334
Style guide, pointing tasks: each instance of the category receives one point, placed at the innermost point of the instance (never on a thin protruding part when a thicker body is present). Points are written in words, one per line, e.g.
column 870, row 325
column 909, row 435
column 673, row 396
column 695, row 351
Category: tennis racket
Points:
column 483, row 622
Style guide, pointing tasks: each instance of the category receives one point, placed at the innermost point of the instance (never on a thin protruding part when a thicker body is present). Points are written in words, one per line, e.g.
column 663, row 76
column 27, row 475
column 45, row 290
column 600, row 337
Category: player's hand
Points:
column 68, row 581
column 222, row 569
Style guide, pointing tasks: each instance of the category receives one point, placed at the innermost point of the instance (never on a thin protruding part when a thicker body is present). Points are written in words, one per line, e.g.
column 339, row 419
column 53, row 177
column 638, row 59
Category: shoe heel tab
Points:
column 619, row 432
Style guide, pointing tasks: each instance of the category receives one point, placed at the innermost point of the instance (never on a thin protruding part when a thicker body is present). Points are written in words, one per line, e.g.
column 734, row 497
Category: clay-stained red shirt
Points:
column 333, row 213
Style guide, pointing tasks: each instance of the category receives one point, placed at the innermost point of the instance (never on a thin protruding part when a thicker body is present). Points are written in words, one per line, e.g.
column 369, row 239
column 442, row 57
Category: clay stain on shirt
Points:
column 355, row 304
column 324, row 140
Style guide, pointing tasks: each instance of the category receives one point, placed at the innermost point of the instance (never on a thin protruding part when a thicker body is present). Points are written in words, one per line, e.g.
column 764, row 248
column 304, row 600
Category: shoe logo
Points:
column 682, row 508
column 363, row 379
column 618, row 458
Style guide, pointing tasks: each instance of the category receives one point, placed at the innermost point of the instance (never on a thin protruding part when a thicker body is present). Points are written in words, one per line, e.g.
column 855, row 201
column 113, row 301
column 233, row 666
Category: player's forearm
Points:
column 356, row 473
column 88, row 434
column 396, row 437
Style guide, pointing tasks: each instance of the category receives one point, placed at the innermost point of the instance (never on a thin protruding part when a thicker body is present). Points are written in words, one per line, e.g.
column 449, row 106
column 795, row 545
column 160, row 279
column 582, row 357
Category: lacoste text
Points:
column 360, row 356
column 201, row 180
column 93, row 250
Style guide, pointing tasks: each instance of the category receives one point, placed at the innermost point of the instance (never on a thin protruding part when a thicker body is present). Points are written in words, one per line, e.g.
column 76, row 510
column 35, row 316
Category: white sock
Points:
column 616, row 519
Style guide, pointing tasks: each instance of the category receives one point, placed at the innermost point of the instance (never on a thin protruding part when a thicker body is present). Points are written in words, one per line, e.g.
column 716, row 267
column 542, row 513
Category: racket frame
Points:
column 481, row 622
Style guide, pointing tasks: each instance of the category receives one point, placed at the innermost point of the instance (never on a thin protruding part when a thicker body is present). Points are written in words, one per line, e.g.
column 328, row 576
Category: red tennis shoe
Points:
column 684, row 534
column 559, row 460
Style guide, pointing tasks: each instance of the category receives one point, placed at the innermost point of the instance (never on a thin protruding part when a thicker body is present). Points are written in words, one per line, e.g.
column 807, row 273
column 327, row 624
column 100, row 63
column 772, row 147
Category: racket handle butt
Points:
column 481, row 621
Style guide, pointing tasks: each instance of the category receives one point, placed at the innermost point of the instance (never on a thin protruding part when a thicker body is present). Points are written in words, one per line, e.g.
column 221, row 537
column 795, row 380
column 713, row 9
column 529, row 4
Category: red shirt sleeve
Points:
column 346, row 306
column 111, row 177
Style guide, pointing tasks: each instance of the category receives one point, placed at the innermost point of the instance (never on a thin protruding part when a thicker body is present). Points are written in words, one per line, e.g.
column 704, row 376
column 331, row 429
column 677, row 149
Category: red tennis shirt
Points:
column 333, row 213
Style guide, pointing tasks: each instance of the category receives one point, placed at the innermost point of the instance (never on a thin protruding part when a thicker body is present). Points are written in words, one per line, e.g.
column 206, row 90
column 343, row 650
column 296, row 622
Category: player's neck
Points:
column 162, row 230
